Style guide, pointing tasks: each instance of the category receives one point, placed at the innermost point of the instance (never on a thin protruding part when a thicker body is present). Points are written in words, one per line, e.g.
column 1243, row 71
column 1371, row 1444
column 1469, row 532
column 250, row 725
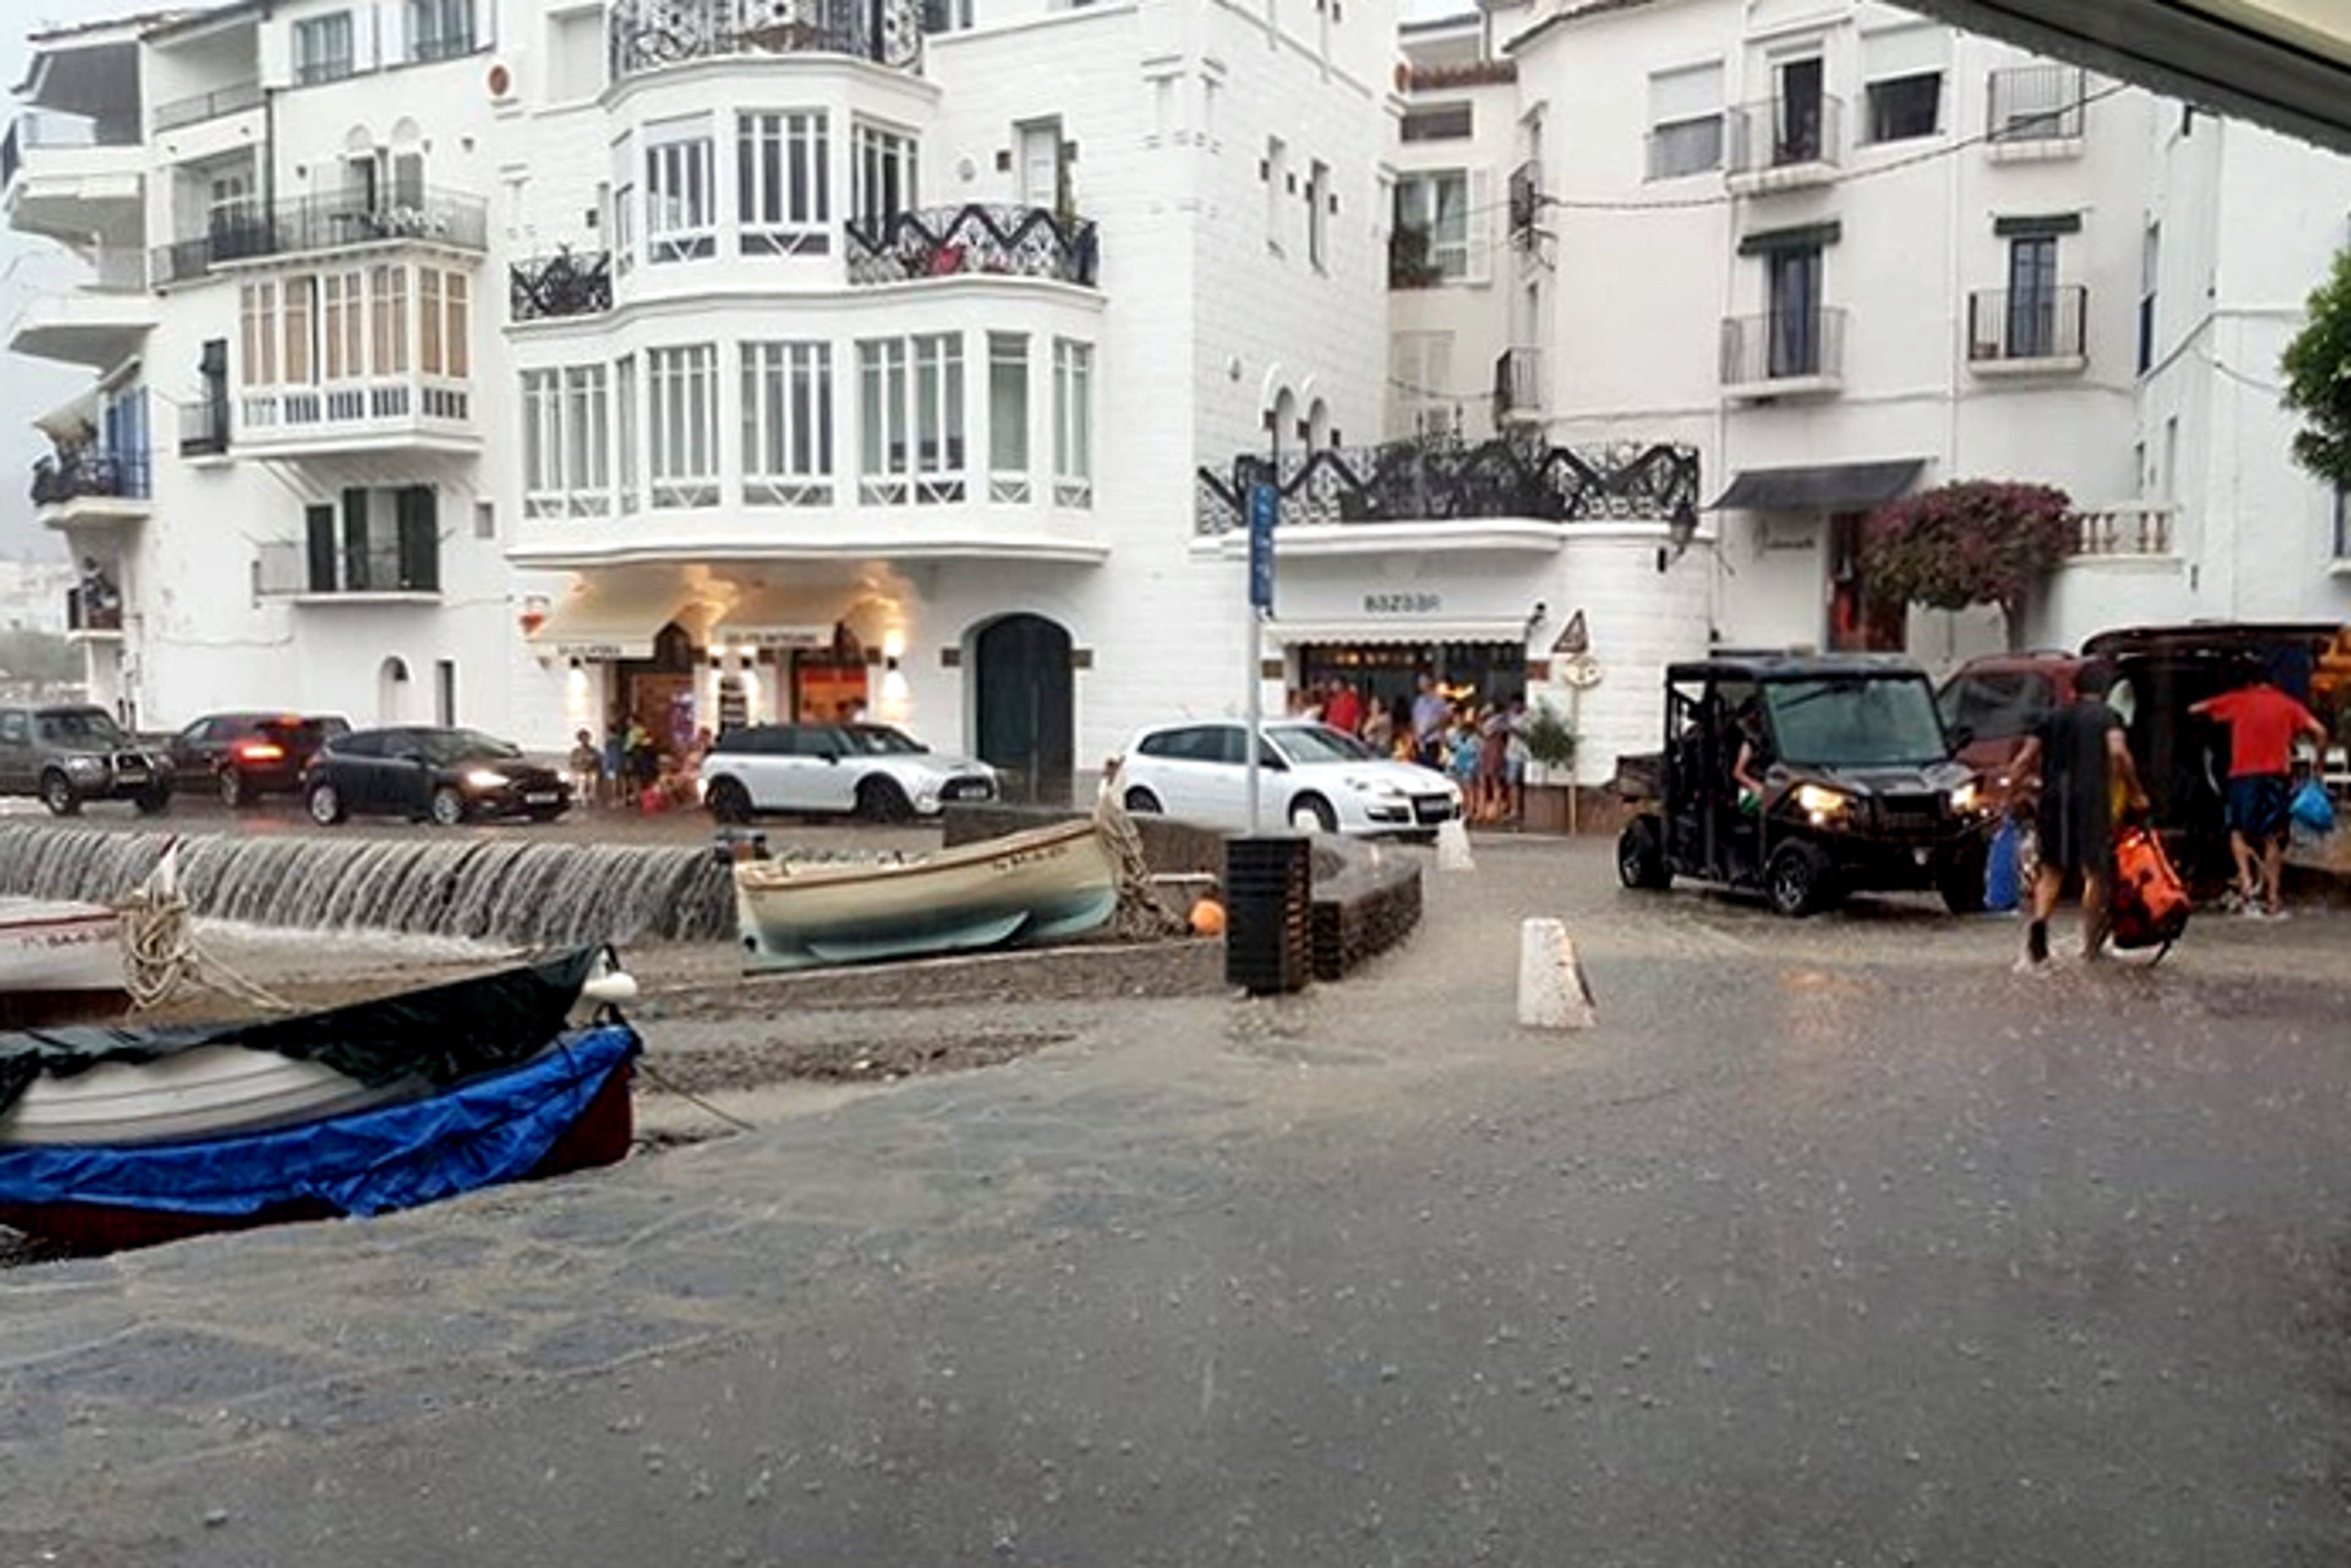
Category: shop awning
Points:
column 608, row 620
column 1819, row 487
column 1390, row 633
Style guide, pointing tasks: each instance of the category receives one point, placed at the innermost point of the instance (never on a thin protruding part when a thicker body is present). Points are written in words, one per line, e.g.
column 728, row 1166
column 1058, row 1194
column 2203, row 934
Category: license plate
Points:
column 539, row 800
column 130, row 775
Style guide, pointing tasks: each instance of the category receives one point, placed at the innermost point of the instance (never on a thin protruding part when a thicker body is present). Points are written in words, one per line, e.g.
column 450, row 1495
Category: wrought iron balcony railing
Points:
column 315, row 224
column 203, row 428
column 70, row 475
column 198, row 108
column 1783, row 345
column 2036, row 103
column 1786, row 132
column 1446, row 480
column 1518, row 383
column 567, row 283
column 646, row 34
column 2008, row 325
column 948, row 242
column 93, row 609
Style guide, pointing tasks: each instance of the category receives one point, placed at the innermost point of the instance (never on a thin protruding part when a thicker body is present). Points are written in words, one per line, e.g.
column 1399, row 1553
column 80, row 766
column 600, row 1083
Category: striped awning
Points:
column 1404, row 633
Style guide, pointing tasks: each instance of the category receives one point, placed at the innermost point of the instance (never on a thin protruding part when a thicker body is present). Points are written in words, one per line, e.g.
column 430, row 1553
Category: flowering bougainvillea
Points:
column 1973, row 541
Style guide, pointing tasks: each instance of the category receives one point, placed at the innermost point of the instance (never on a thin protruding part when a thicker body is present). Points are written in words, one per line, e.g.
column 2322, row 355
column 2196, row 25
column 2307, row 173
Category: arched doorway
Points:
column 391, row 691
column 1025, row 711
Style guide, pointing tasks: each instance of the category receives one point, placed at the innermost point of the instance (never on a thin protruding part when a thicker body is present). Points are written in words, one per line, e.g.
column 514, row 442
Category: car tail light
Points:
column 258, row 751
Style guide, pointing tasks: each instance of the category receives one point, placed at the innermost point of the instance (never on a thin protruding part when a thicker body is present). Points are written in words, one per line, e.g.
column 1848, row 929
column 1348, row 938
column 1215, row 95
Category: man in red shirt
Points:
column 1344, row 712
column 2262, row 725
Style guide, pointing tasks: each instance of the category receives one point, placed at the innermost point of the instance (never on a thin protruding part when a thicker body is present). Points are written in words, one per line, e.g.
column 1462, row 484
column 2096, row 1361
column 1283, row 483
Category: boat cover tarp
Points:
column 443, row 1033
column 494, row 1129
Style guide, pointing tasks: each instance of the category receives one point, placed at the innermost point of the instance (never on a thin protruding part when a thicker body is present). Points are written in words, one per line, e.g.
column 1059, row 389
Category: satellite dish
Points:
column 1576, row 640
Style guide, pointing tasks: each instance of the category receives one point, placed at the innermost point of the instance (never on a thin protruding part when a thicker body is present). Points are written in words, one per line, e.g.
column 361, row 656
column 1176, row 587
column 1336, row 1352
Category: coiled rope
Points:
column 161, row 955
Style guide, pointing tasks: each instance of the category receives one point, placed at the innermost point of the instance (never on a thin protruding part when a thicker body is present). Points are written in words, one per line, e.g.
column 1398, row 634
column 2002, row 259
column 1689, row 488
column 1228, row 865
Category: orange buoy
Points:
column 1207, row 917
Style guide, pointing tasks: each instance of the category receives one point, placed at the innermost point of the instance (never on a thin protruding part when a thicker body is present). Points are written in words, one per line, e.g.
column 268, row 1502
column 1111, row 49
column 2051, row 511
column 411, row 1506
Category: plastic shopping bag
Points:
column 2002, row 868
column 2311, row 808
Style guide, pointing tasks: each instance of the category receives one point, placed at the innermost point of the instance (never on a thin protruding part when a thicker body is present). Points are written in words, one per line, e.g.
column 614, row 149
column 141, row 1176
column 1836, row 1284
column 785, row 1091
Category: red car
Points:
column 1997, row 701
column 248, row 756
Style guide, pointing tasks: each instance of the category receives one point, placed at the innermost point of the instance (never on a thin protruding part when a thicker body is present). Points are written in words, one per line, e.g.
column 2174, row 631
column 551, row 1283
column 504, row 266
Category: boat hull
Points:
column 1044, row 886
column 59, row 962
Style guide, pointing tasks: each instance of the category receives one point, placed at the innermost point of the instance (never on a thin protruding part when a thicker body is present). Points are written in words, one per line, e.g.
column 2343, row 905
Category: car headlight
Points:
column 486, row 778
column 83, row 765
column 1967, row 797
column 1375, row 786
column 1820, row 803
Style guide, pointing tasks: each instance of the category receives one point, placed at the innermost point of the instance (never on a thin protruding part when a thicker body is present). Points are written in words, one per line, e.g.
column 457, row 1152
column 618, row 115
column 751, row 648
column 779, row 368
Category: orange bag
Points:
column 2149, row 906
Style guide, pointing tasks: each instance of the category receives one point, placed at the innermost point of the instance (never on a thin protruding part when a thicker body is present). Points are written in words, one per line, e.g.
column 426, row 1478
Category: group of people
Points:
column 633, row 769
column 1480, row 745
column 2077, row 768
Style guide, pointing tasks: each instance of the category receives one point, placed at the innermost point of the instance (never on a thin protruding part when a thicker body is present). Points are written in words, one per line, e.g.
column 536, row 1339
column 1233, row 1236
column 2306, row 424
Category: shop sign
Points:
column 1423, row 603
column 590, row 650
column 775, row 636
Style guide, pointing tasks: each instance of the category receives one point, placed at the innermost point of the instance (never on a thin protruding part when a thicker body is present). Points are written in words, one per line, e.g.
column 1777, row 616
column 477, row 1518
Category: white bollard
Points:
column 1453, row 847
column 1552, row 991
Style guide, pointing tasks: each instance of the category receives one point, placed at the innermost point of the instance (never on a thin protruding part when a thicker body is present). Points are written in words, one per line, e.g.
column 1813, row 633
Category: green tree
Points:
column 2317, row 367
column 1972, row 542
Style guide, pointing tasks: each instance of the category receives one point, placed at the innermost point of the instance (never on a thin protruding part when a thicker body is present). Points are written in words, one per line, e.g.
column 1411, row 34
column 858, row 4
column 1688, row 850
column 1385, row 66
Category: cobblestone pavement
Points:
column 1835, row 1242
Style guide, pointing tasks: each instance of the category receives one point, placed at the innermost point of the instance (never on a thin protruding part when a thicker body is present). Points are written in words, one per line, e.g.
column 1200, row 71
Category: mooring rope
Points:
column 1141, row 915
column 161, row 956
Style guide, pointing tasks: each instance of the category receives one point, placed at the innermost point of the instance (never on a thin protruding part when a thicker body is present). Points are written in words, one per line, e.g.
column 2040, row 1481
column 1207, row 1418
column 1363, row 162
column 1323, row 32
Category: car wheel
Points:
column 1313, row 814
column 1799, row 880
column 1959, row 879
column 57, row 794
column 728, row 802
column 1640, row 857
column 234, row 793
column 325, row 804
column 1142, row 803
column 152, row 802
column 881, row 800
column 447, row 807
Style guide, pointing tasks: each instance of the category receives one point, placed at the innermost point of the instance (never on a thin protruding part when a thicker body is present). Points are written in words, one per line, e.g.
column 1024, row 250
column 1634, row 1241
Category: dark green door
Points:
column 1026, row 712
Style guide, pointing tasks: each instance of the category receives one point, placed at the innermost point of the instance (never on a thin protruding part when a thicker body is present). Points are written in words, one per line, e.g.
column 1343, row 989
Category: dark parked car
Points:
column 67, row 755
column 429, row 775
column 248, row 755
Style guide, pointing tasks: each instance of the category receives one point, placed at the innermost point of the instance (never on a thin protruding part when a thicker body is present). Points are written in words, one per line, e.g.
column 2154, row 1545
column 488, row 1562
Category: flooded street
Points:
column 1835, row 1242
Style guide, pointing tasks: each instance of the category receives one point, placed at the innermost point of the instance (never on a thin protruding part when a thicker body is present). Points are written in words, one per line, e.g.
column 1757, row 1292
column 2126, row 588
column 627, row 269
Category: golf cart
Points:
column 1860, row 793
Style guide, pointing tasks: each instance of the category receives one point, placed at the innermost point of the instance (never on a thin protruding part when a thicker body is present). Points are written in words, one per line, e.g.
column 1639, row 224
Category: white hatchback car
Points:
column 1311, row 777
column 872, row 771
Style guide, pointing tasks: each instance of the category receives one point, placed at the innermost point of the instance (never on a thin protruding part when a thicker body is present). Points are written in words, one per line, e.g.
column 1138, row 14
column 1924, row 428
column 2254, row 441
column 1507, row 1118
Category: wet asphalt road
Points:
column 1836, row 1243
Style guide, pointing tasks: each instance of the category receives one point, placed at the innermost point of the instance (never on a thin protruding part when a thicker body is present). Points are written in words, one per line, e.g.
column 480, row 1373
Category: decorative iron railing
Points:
column 2036, row 103
column 1446, row 480
column 2027, row 323
column 948, row 242
column 203, row 427
column 1786, row 132
column 645, row 35
column 567, row 283
column 197, row 107
column 310, row 224
column 1782, row 346
column 70, row 475
column 93, row 609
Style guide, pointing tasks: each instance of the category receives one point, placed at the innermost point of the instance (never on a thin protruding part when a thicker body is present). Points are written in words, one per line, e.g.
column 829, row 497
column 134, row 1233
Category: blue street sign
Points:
column 1264, row 512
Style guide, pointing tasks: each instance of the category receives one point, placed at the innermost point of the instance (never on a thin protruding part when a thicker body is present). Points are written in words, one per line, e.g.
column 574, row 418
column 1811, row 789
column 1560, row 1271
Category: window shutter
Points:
column 1485, row 226
column 320, row 522
column 419, row 540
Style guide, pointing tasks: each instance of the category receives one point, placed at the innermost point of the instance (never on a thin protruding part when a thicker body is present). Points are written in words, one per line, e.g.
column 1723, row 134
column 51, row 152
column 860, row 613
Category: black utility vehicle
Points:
column 429, row 774
column 1861, row 794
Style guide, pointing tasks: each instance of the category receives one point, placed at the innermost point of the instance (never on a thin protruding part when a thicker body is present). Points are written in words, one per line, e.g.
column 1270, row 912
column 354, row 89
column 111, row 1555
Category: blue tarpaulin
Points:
column 490, row 1129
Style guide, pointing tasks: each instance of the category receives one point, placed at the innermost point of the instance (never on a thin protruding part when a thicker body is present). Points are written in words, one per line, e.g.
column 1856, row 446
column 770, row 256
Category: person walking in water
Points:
column 2075, row 756
column 2263, row 723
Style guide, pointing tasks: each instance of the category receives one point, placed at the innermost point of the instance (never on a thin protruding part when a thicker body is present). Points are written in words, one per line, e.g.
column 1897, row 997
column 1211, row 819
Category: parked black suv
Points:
column 249, row 755
column 429, row 774
column 67, row 755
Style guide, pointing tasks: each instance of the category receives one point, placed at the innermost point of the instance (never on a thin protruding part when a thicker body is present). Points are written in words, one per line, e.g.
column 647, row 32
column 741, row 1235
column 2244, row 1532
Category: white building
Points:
column 708, row 358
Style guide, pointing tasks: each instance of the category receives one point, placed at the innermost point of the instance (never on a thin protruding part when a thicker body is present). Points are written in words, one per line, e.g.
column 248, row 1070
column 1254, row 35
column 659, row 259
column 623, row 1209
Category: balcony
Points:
column 1511, row 494
column 1784, row 354
column 1518, row 386
column 2035, row 333
column 2035, row 112
column 93, row 614
column 415, row 414
column 1784, row 144
column 567, row 284
column 97, row 327
column 317, row 224
column 647, row 35
column 198, row 108
column 2138, row 528
column 70, row 177
column 90, row 486
column 955, row 241
column 204, row 429
column 379, row 573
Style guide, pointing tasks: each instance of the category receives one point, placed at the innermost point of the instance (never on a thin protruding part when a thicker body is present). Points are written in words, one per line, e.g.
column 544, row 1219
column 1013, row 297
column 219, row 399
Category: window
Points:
column 681, row 200
column 440, row 30
column 883, row 167
column 683, row 387
column 587, row 441
column 432, row 321
column 1318, row 216
column 542, row 444
column 387, row 301
column 1276, row 172
column 787, row 424
column 299, row 299
column 946, row 16
column 1792, row 324
column 2150, row 267
column 1074, row 437
column 1686, row 121
column 783, row 184
column 1438, row 122
column 379, row 551
column 1436, row 206
column 1799, row 112
column 2037, row 103
column 322, row 49
column 624, row 394
column 1997, row 705
column 2033, row 297
column 257, row 313
column 910, row 410
column 1420, row 379
column 1905, row 107
column 343, row 325
column 2342, row 525
column 1007, row 417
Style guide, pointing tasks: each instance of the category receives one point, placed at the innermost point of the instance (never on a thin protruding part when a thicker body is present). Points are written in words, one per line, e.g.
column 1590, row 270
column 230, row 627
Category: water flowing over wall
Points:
column 508, row 890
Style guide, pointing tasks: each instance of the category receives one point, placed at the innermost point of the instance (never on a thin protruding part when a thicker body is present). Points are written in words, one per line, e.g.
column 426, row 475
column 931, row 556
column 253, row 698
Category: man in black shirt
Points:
column 2077, row 755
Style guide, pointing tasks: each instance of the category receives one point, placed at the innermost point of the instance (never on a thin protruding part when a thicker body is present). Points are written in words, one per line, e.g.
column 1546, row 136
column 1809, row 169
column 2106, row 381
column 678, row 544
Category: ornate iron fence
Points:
column 1442, row 481
column 645, row 35
column 68, row 475
column 943, row 242
column 568, row 282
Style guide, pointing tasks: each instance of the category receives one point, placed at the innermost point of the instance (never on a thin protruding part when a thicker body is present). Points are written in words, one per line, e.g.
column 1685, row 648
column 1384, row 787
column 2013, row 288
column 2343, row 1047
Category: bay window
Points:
column 784, row 183
column 911, row 413
column 1074, row 430
column 787, row 424
column 681, row 193
column 542, row 444
column 625, row 395
column 883, row 166
column 684, row 448
column 587, row 441
column 1007, row 417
